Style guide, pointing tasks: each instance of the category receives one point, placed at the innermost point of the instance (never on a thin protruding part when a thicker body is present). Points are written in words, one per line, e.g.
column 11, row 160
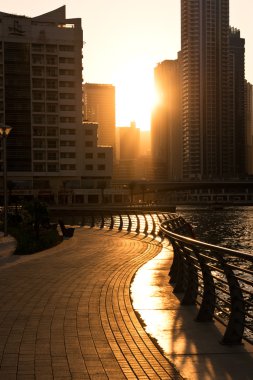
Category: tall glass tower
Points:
column 208, row 121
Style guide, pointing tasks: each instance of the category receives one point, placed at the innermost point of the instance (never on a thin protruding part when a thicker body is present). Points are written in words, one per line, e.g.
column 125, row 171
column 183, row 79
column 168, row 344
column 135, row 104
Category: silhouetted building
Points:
column 41, row 99
column 249, row 127
column 99, row 106
column 51, row 154
column 166, row 131
column 210, row 126
column 129, row 139
column 129, row 152
column 237, row 82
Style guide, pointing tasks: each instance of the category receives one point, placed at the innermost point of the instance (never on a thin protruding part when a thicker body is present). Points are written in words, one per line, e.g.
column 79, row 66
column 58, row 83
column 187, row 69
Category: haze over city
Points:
column 125, row 40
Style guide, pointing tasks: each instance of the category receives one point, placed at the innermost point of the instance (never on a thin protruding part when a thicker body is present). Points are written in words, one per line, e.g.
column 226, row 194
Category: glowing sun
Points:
column 135, row 94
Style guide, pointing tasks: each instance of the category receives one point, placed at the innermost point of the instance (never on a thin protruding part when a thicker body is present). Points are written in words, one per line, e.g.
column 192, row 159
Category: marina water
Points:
column 230, row 227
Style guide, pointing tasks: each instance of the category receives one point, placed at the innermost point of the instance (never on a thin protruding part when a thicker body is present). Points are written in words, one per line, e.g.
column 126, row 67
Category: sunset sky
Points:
column 126, row 39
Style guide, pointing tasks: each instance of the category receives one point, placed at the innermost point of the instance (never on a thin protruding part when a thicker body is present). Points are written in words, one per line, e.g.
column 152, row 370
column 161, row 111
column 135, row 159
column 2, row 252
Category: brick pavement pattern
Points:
column 66, row 313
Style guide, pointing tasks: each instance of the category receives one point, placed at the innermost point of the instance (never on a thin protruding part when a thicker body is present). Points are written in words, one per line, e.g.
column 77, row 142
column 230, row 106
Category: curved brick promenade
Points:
column 66, row 313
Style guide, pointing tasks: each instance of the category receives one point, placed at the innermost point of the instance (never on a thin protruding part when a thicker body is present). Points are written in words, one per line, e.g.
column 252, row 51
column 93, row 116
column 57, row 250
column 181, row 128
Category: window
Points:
column 38, row 95
column 67, row 119
column 101, row 167
column 51, row 48
column 88, row 132
column 89, row 144
column 51, row 59
column 67, row 143
column 67, row 95
column 37, row 71
column 37, row 59
column 38, row 107
column 66, row 47
column 38, row 143
column 38, row 83
column 51, row 83
column 39, row 167
column 38, row 155
column 89, row 155
column 51, row 119
column 52, row 156
column 101, row 155
column 68, row 167
column 51, row 144
column 66, row 60
column 68, row 155
column 66, row 72
column 51, row 72
column 52, row 95
column 38, row 131
column 67, row 131
column 52, row 132
column 52, row 168
column 89, row 167
column 37, row 47
column 38, row 119
column 52, row 107
column 69, row 84
column 67, row 107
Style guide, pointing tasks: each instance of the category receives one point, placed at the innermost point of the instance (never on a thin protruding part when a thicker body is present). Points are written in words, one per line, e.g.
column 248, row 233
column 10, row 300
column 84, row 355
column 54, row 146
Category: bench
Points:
column 66, row 231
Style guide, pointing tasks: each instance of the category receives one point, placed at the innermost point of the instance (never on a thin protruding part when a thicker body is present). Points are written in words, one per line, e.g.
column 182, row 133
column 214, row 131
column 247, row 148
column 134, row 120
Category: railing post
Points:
column 129, row 227
column 111, row 223
column 102, row 221
column 190, row 279
column 178, row 275
column 92, row 221
column 207, row 307
column 153, row 232
column 138, row 224
column 145, row 231
column 120, row 222
column 235, row 327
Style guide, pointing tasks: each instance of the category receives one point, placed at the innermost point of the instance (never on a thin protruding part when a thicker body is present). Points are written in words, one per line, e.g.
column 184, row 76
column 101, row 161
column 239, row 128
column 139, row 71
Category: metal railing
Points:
column 219, row 280
column 147, row 223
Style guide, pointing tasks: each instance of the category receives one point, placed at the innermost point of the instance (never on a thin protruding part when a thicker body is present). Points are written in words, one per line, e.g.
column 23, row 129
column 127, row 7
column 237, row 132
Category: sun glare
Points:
column 135, row 94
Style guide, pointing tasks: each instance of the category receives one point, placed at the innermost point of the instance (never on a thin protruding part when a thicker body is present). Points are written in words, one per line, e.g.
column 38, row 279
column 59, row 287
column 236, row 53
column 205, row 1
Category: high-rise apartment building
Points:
column 237, row 85
column 210, row 129
column 128, row 141
column 99, row 107
column 41, row 98
column 51, row 154
column 166, row 131
column 249, row 127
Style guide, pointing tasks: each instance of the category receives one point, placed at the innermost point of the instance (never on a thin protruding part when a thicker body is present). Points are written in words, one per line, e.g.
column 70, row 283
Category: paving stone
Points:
column 67, row 312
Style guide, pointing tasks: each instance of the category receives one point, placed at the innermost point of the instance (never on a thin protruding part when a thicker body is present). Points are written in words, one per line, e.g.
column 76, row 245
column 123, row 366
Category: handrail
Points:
column 219, row 279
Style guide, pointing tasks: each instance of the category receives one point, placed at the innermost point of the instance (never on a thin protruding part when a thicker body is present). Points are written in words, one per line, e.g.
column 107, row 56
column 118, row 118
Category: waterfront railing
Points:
column 219, row 280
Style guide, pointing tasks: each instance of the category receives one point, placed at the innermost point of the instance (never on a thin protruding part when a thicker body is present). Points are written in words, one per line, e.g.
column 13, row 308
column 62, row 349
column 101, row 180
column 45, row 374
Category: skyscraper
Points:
column 237, row 85
column 99, row 107
column 208, row 74
column 166, row 122
column 41, row 97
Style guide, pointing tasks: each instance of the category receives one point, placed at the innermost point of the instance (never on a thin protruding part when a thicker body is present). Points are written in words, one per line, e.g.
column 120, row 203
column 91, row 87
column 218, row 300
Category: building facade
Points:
column 249, row 127
column 166, row 130
column 128, row 153
column 210, row 129
column 41, row 98
column 237, row 81
column 51, row 154
column 99, row 107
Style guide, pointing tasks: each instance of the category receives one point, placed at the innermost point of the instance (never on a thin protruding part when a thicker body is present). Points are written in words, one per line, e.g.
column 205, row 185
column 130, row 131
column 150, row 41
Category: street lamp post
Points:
column 4, row 132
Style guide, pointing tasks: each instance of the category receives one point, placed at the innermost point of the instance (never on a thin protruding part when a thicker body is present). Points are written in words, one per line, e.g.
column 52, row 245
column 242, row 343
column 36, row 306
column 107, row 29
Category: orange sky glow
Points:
column 124, row 40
